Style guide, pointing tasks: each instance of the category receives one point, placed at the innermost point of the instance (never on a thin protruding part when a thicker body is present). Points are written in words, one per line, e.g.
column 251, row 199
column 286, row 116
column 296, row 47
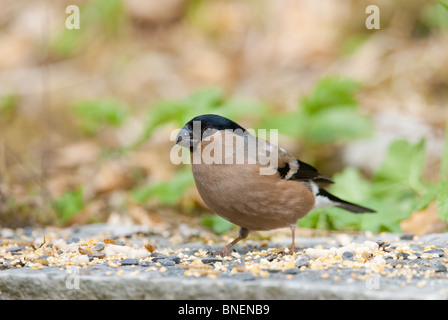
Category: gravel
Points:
column 347, row 255
column 439, row 252
column 129, row 262
column 42, row 265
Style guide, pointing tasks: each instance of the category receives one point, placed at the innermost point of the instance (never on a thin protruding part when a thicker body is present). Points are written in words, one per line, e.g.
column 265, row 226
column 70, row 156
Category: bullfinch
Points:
column 251, row 182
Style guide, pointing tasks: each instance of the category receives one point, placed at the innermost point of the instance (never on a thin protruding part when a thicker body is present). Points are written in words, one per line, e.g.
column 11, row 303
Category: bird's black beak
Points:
column 185, row 138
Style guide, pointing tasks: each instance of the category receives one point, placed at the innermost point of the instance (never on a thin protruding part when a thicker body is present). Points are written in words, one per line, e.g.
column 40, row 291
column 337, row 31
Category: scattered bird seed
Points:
column 357, row 261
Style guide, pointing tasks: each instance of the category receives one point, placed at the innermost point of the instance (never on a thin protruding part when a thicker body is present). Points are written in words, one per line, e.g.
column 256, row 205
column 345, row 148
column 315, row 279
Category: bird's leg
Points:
column 226, row 250
column 293, row 236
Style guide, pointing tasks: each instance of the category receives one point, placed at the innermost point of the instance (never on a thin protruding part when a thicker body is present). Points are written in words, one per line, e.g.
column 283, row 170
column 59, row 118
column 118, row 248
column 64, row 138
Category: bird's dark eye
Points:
column 208, row 132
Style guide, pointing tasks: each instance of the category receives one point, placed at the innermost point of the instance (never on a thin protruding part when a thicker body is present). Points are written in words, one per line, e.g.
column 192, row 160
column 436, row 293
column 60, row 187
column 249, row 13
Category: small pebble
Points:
column 302, row 262
column 15, row 249
column 440, row 268
column 291, row 271
column 439, row 252
column 157, row 255
column 166, row 262
column 100, row 246
column 402, row 255
column 407, row 236
column 272, row 270
column 145, row 263
column 316, row 253
column 382, row 244
column 347, row 255
column 174, row 258
column 73, row 240
column 128, row 262
column 211, row 260
column 395, row 263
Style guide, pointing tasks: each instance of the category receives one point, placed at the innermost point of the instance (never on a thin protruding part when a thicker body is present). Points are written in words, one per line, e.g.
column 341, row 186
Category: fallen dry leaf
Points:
column 111, row 175
column 77, row 154
column 424, row 221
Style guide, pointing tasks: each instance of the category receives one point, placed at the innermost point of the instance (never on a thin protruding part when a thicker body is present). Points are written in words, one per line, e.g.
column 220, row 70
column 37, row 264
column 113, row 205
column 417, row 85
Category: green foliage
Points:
column 98, row 20
column 8, row 107
column 106, row 15
column 95, row 114
column 331, row 92
column 444, row 3
column 438, row 192
column 327, row 115
column 67, row 43
column 442, row 200
column 8, row 104
column 402, row 168
column 353, row 43
column 396, row 190
column 434, row 16
column 167, row 192
column 444, row 164
column 68, row 205
column 179, row 112
column 218, row 224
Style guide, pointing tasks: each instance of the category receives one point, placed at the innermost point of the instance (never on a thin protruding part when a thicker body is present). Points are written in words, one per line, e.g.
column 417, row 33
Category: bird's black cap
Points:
column 214, row 121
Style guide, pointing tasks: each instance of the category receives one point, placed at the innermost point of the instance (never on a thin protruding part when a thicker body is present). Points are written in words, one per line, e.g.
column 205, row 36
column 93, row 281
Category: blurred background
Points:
column 86, row 114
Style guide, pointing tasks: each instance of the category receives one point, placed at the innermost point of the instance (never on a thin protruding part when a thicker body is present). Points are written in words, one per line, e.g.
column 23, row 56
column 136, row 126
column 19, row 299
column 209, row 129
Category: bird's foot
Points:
column 292, row 249
column 223, row 253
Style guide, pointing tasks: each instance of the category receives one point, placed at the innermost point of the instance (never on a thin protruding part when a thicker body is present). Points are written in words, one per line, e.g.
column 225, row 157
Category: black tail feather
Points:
column 345, row 204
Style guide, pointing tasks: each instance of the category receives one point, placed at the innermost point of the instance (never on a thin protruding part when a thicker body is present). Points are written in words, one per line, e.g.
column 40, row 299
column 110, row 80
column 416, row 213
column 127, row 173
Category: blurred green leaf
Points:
column 353, row 43
column 67, row 42
column 106, row 15
column 99, row 19
column 93, row 114
column 68, row 205
column 350, row 185
column 427, row 198
column 338, row 124
column 167, row 192
column 438, row 193
column 331, row 92
column 435, row 16
column 442, row 201
column 179, row 112
column 218, row 224
column 403, row 164
column 444, row 4
column 444, row 164
column 327, row 115
column 292, row 123
column 8, row 106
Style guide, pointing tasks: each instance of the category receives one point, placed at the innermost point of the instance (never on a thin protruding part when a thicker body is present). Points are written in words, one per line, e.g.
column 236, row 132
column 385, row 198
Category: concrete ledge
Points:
column 56, row 284
column 167, row 279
